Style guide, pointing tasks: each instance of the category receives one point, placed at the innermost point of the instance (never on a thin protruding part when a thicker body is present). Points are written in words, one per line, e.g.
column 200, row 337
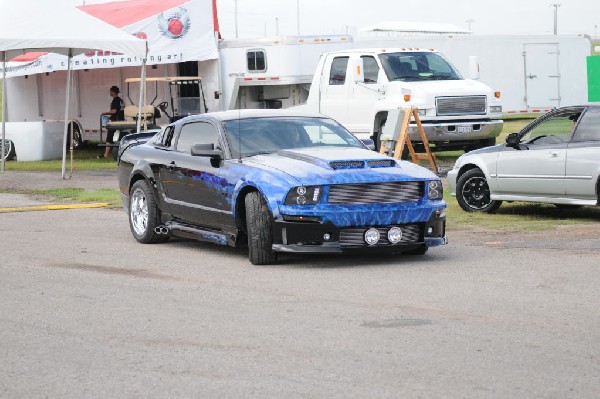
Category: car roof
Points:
column 254, row 113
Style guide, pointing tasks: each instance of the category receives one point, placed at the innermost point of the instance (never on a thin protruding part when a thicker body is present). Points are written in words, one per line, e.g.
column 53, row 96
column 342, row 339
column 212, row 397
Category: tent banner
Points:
column 176, row 31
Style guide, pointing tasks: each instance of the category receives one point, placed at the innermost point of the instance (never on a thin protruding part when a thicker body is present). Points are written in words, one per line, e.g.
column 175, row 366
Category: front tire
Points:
column 260, row 233
column 144, row 215
column 473, row 192
column 9, row 150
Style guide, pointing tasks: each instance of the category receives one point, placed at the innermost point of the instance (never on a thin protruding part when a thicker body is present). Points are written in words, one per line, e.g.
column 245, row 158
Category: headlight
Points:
column 302, row 195
column 495, row 109
column 435, row 189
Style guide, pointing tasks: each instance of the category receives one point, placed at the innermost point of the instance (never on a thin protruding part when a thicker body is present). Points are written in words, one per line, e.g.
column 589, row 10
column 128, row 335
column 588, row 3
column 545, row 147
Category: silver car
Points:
column 555, row 159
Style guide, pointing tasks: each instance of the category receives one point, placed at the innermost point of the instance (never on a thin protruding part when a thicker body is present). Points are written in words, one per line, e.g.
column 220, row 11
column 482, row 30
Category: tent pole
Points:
column 142, row 95
column 67, row 102
column 3, row 109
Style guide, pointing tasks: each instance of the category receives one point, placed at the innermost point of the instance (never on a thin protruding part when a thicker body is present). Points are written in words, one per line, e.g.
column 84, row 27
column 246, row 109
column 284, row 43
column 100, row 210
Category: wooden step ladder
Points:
column 395, row 136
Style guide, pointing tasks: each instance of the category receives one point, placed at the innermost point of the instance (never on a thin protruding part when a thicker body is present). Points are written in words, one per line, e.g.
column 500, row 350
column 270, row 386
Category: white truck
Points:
column 359, row 87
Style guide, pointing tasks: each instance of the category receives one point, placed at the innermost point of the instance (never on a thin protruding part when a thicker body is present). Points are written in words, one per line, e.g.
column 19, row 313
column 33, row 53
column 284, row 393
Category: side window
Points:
column 337, row 75
column 196, row 133
column 588, row 128
column 554, row 130
column 257, row 60
column 371, row 69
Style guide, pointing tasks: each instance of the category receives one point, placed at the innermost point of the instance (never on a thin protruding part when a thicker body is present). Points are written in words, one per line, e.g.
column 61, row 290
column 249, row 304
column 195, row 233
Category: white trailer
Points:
column 264, row 73
column 535, row 73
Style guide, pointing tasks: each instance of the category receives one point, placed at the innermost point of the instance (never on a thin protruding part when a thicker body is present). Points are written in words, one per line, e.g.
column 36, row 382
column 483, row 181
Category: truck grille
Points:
column 354, row 237
column 378, row 193
column 465, row 105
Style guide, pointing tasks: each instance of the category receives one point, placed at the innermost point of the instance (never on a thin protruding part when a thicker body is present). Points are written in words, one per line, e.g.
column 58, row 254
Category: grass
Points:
column 519, row 216
column 84, row 159
column 75, row 194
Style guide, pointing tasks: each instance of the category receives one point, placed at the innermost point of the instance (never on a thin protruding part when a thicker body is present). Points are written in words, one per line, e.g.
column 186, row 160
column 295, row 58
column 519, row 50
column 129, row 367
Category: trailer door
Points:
column 542, row 77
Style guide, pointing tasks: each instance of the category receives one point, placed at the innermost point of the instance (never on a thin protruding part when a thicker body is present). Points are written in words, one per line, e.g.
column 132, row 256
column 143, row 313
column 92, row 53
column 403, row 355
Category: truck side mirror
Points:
column 512, row 140
column 474, row 67
column 358, row 72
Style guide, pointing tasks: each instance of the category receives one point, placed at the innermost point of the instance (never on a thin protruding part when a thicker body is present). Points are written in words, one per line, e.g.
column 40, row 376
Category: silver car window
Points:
column 554, row 130
column 589, row 126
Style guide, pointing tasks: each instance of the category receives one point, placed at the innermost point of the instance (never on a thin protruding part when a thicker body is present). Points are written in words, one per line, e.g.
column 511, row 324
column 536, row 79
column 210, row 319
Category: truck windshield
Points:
column 417, row 66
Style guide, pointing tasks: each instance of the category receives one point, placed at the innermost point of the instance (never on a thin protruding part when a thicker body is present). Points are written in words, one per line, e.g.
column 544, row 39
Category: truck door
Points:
column 542, row 77
column 362, row 97
column 334, row 98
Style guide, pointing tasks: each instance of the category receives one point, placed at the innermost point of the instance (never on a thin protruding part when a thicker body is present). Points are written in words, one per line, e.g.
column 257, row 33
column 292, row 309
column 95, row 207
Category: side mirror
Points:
column 474, row 67
column 358, row 70
column 369, row 143
column 512, row 140
column 206, row 150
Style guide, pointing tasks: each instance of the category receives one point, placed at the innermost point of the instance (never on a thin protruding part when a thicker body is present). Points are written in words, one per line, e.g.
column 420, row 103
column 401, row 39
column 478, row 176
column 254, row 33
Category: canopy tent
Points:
column 176, row 31
column 26, row 25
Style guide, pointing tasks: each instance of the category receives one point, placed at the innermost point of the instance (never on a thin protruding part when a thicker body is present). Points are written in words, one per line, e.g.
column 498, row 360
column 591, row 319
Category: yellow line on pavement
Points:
column 56, row 207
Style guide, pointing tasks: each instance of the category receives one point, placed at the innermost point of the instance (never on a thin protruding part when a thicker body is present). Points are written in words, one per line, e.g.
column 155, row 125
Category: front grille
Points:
column 464, row 105
column 378, row 193
column 347, row 164
column 354, row 237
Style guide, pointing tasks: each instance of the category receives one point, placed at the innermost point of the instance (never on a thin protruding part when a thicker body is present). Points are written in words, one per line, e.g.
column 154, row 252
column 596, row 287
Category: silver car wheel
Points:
column 138, row 212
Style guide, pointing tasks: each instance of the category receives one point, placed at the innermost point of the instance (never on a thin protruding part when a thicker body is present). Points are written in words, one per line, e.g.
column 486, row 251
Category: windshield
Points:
column 255, row 136
column 417, row 66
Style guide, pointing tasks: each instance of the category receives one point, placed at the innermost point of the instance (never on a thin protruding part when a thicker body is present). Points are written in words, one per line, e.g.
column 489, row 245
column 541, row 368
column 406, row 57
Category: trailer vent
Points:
column 376, row 193
column 464, row 105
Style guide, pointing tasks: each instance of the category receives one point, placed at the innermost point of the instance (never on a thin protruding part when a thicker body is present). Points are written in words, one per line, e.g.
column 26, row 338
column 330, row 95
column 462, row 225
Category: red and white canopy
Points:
column 176, row 31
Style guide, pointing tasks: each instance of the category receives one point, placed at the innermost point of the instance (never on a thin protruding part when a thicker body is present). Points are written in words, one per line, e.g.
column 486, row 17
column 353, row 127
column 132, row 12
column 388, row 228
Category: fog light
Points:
column 394, row 235
column 372, row 236
column 326, row 237
column 429, row 231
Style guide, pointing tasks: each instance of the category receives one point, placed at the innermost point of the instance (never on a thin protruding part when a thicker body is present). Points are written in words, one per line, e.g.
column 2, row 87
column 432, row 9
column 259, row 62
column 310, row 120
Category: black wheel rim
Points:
column 476, row 193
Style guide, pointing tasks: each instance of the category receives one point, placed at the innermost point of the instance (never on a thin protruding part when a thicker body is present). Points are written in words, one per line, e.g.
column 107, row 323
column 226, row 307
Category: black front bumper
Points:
column 328, row 238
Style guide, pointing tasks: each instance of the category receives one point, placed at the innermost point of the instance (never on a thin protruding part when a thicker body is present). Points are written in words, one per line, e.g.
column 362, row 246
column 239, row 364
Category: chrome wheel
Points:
column 138, row 212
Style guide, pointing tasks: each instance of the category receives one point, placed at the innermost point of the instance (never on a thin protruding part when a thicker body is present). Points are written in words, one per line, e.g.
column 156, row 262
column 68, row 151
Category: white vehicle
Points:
column 359, row 87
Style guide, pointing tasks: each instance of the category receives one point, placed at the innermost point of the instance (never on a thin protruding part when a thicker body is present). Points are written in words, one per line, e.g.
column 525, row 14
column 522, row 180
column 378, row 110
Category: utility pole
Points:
column 555, row 5
column 298, row 15
column 236, row 22
column 469, row 22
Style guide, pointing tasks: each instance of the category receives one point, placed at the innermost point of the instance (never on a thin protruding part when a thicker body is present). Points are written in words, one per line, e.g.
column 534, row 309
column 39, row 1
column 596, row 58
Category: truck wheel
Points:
column 473, row 192
column 259, row 228
column 9, row 150
column 144, row 215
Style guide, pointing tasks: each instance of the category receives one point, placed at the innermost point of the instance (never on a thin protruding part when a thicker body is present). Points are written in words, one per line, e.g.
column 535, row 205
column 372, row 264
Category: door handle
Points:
column 531, row 76
column 553, row 154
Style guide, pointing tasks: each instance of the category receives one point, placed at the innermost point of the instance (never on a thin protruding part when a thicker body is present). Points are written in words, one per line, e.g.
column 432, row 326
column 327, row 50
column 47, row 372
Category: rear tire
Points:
column 144, row 215
column 9, row 150
column 473, row 192
column 260, row 233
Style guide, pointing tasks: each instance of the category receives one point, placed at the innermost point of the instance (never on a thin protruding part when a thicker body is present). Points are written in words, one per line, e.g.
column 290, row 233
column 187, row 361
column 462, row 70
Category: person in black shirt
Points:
column 114, row 114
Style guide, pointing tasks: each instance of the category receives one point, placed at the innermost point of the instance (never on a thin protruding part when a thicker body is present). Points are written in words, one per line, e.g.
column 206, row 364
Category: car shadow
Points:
column 550, row 211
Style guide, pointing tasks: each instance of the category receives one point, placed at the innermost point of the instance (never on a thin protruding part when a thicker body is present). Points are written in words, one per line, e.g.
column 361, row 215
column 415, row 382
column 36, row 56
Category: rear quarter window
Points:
column 588, row 128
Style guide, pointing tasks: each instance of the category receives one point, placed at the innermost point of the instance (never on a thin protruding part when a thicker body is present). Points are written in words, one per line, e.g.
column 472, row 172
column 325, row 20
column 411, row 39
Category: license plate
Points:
column 464, row 129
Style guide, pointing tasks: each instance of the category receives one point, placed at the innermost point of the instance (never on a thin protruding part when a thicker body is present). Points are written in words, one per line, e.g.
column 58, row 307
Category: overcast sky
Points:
column 257, row 17
column 337, row 16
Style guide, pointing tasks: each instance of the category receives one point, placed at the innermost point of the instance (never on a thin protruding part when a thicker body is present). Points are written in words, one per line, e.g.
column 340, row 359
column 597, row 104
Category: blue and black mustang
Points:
column 278, row 181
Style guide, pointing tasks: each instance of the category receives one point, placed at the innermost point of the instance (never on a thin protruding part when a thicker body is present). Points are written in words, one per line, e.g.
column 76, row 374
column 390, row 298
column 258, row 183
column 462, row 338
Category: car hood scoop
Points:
column 340, row 158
